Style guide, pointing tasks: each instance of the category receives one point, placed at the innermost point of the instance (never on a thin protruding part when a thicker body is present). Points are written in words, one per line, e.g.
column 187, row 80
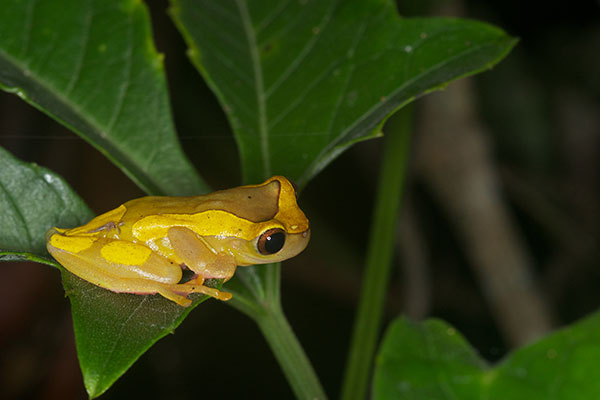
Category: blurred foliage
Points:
column 431, row 360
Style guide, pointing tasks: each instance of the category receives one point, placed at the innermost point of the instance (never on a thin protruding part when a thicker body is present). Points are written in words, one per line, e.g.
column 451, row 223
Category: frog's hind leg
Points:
column 104, row 265
column 136, row 270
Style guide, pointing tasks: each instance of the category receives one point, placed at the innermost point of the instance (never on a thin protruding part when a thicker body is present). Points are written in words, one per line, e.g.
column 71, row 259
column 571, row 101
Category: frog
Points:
column 148, row 245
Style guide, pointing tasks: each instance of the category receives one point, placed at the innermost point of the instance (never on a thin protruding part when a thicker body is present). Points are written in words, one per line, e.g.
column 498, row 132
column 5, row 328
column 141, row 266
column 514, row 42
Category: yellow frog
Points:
column 144, row 245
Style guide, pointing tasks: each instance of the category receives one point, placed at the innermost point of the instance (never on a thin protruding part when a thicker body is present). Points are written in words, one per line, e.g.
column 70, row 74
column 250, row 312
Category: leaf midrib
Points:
column 263, row 130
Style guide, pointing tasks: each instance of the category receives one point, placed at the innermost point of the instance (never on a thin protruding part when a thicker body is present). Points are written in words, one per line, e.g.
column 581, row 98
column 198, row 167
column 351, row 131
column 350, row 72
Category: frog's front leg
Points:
column 200, row 258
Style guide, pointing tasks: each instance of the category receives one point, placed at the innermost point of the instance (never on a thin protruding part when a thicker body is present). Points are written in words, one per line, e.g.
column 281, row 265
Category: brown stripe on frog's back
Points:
column 252, row 203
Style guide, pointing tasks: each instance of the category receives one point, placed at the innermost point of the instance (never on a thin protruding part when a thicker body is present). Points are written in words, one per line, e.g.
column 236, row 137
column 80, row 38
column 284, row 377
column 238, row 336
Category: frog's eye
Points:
column 271, row 241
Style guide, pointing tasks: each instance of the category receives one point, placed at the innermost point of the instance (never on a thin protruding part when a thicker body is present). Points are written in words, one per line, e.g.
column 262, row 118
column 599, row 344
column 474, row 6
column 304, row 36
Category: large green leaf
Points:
column 32, row 200
column 111, row 330
column 302, row 80
column 92, row 65
column 431, row 360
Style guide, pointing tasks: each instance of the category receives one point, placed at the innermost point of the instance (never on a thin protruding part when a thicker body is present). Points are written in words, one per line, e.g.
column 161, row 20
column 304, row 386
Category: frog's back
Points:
column 252, row 203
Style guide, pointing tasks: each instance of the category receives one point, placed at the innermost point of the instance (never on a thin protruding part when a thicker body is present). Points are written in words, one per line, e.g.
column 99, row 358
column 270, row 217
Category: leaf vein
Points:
column 344, row 89
column 229, row 64
column 301, row 97
column 259, row 85
column 303, row 54
column 222, row 36
column 124, row 89
column 119, row 336
column 14, row 205
column 28, row 25
column 214, row 6
column 271, row 17
column 85, row 40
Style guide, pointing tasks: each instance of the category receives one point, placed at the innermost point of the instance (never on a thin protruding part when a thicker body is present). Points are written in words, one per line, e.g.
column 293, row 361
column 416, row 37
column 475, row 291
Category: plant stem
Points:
column 258, row 297
column 379, row 255
column 290, row 355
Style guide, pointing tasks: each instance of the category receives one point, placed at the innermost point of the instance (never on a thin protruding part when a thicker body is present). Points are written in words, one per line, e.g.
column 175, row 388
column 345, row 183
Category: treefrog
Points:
column 144, row 245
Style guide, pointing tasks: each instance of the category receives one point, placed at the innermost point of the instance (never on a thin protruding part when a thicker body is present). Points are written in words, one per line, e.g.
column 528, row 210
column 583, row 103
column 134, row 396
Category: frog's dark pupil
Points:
column 274, row 242
column 271, row 241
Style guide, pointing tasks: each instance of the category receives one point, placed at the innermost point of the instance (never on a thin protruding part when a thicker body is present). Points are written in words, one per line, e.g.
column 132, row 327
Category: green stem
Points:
column 379, row 256
column 290, row 355
column 258, row 296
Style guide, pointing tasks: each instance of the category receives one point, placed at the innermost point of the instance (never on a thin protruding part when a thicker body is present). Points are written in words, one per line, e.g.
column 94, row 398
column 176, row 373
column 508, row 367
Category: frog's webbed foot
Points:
column 177, row 298
column 179, row 292
column 197, row 286
column 212, row 292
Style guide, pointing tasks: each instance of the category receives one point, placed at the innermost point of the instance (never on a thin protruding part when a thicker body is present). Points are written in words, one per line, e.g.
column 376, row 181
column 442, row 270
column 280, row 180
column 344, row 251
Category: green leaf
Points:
column 32, row 200
column 301, row 81
column 113, row 330
column 431, row 360
column 92, row 65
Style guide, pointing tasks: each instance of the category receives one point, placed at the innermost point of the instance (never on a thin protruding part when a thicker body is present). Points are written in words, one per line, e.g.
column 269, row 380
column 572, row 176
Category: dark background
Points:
column 536, row 117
